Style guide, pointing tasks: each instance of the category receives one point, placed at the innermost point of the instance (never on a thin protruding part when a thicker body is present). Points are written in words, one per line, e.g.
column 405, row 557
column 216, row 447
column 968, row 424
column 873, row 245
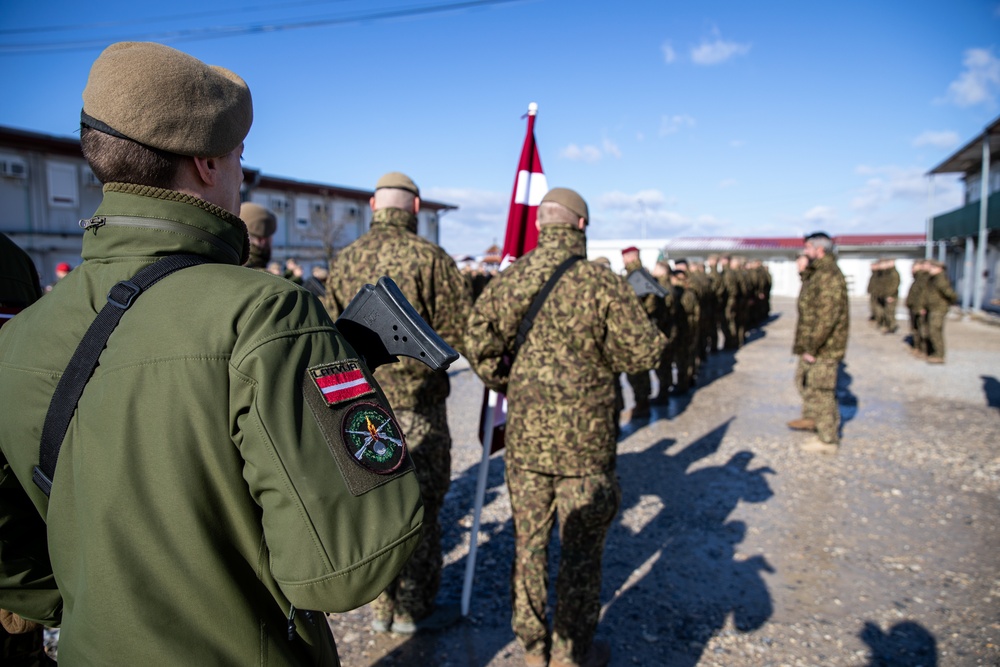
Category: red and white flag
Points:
column 521, row 237
column 529, row 188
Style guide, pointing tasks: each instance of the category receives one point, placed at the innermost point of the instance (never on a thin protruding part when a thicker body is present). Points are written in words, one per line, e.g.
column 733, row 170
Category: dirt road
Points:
column 734, row 548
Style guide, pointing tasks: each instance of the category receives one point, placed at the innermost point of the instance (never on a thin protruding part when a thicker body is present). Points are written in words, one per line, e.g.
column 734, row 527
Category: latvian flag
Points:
column 341, row 381
column 529, row 188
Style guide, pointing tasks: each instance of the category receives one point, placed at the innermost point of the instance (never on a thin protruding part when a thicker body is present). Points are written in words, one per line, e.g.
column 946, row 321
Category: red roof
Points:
column 722, row 243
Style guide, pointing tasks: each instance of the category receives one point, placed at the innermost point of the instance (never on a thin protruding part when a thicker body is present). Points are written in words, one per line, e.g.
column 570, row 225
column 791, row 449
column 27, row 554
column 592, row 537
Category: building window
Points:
column 12, row 166
column 63, row 189
column 302, row 211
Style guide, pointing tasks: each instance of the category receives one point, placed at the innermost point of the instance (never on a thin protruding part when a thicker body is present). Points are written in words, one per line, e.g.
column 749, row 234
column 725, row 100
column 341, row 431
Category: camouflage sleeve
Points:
column 487, row 334
column 826, row 310
column 943, row 286
column 335, row 300
column 633, row 343
column 450, row 302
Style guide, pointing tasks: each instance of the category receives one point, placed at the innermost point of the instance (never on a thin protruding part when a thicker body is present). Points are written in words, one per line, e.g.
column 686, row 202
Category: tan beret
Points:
column 395, row 179
column 260, row 221
column 166, row 99
column 570, row 200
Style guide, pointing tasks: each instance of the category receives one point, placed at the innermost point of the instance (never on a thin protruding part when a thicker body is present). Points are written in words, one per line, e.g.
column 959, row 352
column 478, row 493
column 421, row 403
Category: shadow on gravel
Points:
column 846, row 400
column 991, row 387
column 907, row 644
column 670, row 560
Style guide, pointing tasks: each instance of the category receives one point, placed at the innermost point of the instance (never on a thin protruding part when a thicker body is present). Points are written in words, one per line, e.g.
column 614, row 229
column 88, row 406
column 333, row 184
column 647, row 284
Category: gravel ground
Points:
column 734, row 548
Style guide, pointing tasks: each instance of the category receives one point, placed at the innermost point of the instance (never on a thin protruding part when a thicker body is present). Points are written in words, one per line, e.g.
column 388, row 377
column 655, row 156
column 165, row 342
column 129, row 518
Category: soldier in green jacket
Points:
column 431, row 281
column 888, row 295
column 653, row 305
column 216, row 480
column 938, row 296
column 821, row 342
column 688, row 315
column 560, row 425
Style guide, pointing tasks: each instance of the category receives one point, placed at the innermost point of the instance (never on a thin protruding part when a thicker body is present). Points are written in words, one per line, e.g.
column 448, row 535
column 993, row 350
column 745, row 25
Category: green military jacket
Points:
column 915, row 296
column 938, row 294
column 207, row 484
column 824, row 315
column 561, row 389
column 429, row 279
column 890, row 286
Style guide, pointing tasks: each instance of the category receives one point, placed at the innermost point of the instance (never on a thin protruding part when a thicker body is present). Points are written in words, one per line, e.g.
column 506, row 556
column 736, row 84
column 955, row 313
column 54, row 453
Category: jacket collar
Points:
column 395, row 218
column 136, row 220
column 566, row 237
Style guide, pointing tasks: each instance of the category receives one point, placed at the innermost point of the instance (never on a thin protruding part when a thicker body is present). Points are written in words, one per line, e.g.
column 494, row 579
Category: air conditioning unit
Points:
column 13, row 167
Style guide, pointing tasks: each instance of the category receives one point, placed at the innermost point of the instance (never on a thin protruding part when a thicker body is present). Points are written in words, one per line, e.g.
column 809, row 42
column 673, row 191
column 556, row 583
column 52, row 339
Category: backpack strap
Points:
column 536, row 305
column 85, row 359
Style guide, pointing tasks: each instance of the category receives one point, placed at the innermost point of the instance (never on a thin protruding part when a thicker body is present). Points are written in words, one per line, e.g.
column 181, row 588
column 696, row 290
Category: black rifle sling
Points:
column 536, row 305
column 85, row 359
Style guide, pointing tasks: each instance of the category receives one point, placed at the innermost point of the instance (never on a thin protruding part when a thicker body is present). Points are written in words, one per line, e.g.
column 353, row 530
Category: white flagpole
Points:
column 492, row 405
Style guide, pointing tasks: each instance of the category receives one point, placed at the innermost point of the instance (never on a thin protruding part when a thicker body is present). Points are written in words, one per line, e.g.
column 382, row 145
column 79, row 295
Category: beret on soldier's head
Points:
column 631, row 248
column 165, row 99
column 570, row 200
column 399, row 181
column 260, row 222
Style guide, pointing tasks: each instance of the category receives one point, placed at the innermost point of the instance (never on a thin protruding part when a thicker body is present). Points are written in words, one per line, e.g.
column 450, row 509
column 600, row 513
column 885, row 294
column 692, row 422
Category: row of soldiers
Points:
column 929, row 298
column 883, row 293
column 706, row 305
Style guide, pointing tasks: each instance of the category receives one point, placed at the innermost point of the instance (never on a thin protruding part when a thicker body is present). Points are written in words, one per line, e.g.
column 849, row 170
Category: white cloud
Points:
column 979, row 82
column 585, row 153
column 669, row 55
column 619, row 214
column 611, row 148
column 728, row 183
column 717, row 50
column 819, row 215
column 672, row 124
column 887, row 185
column 481, row 218
column 945, row 139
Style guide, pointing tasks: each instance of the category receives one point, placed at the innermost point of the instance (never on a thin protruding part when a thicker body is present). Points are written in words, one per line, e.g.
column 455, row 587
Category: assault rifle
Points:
column 643, row 282
column 380, row 324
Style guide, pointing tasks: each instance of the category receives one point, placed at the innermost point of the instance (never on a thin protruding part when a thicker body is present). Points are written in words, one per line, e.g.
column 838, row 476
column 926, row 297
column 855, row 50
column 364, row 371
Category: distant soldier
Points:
column 641, row 385
column 431, row 281
column 874, row 290
column 687, row 325
column 701, row 284
column 729, row 296
column 261, row 225
column 715, row 280
column 668, row 323
column 888, row 294
column 821, row 342
column 560, row 460
column 938, row 296
column 914, row 303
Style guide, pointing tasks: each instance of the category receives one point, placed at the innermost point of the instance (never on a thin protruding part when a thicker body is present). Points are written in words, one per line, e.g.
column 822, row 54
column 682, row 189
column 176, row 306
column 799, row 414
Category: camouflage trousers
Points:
column 642, row 387
column 917, row 331
column 585, row 506
column 934, row 325
column 817, row 384
column 887, row 315
column 411, row 595
column 729, row 326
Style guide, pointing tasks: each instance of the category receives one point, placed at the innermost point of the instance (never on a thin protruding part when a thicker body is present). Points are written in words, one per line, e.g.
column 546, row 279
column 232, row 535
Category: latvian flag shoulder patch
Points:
column 341, row 381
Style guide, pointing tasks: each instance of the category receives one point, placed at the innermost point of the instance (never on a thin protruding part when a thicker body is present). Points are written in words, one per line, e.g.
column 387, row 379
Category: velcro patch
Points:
column 341, row 381
column 373, row 438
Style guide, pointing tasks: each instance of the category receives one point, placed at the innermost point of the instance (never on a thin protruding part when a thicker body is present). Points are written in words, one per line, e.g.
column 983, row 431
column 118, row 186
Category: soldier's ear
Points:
column 581, row 224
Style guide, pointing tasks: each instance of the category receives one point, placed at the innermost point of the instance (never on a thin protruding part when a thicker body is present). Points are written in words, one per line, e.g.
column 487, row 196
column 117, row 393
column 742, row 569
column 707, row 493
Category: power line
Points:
column 220, row 32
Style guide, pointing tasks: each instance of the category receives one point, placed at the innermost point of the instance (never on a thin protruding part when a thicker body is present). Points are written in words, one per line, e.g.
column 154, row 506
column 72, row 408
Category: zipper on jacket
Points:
column 93, row 224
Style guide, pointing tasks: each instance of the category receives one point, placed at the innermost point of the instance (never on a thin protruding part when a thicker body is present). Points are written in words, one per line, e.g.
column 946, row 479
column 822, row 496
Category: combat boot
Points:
column 803, row 424
column 599, row 655
column 817, row 446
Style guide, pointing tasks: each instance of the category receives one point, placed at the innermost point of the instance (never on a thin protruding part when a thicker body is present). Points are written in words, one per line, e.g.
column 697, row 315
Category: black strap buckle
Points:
column 123, row 294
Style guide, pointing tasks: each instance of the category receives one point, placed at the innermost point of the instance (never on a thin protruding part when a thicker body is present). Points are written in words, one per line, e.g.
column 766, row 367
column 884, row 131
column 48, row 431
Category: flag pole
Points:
column 484, row 469
column 521, row 200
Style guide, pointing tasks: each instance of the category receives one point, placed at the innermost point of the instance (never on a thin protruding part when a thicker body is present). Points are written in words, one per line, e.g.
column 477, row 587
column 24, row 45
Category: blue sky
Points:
column 709, row 118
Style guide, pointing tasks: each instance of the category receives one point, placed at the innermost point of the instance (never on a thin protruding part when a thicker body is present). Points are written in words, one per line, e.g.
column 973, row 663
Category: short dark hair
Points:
column 116, row 160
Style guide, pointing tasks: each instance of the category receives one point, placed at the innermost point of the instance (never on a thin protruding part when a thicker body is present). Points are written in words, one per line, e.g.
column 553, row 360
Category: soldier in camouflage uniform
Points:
column 701, row 283
column 821, row 342
column 938, row 295
column 653, row 305
column 687, row 326
column 560, row 425
column 729, row 294
column 261, row 225
column 431, row 281
column 914, row 303
column 888, row 294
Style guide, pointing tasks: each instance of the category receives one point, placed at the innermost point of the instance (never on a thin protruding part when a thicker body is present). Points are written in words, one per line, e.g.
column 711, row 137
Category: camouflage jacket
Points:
column 938, row 293
column 824, row 318
column 561, row 389
column 890, row 284
column 914, row 298
column 428, row 278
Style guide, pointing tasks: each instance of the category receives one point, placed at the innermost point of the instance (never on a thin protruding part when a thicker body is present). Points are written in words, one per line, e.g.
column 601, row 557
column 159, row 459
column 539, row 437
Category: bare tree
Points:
column 329, row 229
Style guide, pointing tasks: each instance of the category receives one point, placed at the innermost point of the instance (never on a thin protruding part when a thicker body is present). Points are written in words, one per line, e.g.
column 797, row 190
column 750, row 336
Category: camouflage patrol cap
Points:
column 165, row 99
column 399, row 181
column 603, row 261
column 570, row 200
column 260, row 221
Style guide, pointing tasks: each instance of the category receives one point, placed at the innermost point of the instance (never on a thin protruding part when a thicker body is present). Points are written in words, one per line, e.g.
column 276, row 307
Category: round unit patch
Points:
column 373, row 438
